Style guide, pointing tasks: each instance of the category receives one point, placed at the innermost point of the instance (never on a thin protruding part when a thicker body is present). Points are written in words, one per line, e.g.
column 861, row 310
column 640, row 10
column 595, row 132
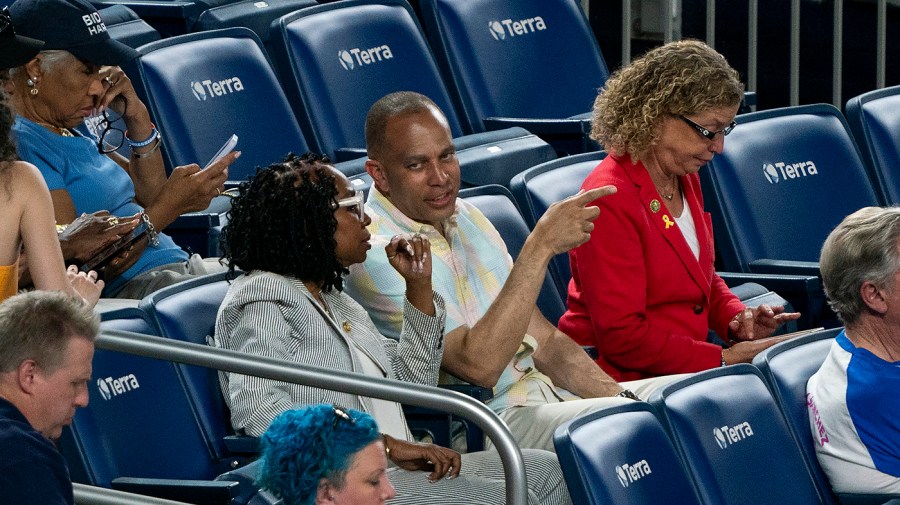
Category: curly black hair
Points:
column 283, row 222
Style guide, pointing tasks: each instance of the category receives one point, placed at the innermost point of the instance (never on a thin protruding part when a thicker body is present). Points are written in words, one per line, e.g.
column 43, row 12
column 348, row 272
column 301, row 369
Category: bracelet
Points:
column 61, row 228
column 146, row 142
column 387, row 450
column 723, row 358
column 627, row 393
column 149, row 153
column 152, row 234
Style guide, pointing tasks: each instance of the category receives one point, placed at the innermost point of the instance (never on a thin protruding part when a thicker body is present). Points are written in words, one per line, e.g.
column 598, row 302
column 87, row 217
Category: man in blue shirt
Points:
column 852, row 400
column 46, row 348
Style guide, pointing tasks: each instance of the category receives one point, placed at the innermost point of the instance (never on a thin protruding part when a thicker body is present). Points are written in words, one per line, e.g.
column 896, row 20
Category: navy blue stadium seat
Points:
column 336, row 60
column 787, row 367
column 139, row 432
column 203, row 87
column 124, row 25
column 622, row 455
column 529, row 63
column 874, row 118
column 786, row 178
column 734, row 441
column 187, row 311
column 252, row 14
column 539, row 187
column 497, row 204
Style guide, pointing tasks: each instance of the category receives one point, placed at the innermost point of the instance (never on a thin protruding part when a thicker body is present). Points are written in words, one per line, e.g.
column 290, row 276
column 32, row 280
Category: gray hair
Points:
column 391, row 105
column 51, row 59
column 38, row 326
column 863, row 247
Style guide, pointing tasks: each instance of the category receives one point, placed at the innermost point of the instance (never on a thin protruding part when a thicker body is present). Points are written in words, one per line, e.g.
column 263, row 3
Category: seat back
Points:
column 622, row 455
column 874, row 118
column 252, row 14
column 124, row 25
column 496, row 203
column 337, row 59
column 516, row 58
column 734, row 440
column 187, row 311
column 538, row 187
column 787, row 368
column 140, row 421
column 203, row 87
column 786, row 178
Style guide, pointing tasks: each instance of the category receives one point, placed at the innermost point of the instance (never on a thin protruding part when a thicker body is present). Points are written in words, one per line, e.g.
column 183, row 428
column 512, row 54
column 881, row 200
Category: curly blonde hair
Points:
column 683, row 77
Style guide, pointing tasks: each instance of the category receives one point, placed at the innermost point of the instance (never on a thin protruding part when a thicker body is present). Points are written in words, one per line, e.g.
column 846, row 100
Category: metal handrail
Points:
column 286, row 371
column 92, row 495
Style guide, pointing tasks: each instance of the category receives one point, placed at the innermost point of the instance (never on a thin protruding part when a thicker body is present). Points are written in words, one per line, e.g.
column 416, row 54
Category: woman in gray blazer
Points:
column 294, row 230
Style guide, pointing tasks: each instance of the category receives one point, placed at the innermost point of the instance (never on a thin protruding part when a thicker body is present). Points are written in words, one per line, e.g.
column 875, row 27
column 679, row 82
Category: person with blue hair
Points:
column 323, row 454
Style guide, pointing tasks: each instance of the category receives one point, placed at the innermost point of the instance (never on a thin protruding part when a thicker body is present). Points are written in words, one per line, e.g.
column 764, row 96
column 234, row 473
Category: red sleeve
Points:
column 723, row 306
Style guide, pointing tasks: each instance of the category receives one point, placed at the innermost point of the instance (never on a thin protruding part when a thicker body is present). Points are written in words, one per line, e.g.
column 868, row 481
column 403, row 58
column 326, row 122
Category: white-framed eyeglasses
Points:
column 358, row 200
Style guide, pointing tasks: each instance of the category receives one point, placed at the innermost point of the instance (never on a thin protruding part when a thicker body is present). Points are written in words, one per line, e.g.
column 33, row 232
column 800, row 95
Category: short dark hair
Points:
column 388, row 106
column 38, row 325
column 283, row 222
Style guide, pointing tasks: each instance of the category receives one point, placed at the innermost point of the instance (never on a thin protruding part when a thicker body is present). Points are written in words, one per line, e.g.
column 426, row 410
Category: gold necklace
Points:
column 670, row 194
column 56, row 129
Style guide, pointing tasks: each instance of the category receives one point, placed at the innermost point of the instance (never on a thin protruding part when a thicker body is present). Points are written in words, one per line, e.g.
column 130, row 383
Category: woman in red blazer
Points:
column 643, row 288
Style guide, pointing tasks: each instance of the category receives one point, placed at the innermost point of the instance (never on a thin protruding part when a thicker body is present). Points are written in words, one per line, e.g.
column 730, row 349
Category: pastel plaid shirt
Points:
column 469, row 267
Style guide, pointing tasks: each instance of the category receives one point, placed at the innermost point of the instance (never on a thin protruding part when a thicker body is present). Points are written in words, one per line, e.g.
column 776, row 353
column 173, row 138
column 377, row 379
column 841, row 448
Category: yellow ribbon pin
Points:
column 668, row 221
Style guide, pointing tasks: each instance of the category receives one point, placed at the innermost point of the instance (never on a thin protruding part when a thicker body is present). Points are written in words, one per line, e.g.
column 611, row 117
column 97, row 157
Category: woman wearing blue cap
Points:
column 76, row 76
column 26, row 212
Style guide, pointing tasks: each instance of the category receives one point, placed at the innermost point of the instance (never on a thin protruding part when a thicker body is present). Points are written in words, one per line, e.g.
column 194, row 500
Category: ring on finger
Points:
column 112, row 221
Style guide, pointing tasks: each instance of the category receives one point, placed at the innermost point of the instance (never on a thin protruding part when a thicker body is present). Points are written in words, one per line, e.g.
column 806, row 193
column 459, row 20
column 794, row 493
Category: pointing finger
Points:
column 585, row 197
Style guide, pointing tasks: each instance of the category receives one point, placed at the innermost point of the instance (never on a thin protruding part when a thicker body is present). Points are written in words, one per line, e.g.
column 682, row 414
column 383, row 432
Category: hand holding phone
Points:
column 223, row 151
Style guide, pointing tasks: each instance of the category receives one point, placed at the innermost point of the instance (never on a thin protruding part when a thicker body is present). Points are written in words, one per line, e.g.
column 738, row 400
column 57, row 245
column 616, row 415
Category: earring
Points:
column 31, row 82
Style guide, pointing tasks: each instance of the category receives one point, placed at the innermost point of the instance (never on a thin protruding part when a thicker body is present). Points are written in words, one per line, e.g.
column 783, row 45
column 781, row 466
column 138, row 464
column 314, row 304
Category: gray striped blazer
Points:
column 275, row 316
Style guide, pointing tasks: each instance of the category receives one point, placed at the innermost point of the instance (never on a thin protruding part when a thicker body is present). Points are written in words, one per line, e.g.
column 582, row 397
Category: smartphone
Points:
column 103, row 258
column 224, row 150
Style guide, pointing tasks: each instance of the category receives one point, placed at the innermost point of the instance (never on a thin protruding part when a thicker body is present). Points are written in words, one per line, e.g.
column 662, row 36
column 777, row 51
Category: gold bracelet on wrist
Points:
column 387, row 450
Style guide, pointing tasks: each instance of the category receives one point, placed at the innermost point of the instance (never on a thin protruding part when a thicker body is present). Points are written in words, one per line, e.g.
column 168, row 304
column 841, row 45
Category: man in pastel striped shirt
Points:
column 854, row 412
column 495, row 336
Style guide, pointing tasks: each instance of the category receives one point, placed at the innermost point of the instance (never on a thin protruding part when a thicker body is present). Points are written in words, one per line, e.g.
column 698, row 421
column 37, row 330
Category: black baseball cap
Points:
column 71, row 25
column 15, row 50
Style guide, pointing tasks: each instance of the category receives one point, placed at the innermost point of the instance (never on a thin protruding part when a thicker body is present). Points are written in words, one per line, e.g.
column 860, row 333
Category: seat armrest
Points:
column 200, row 492
column 869, row 499
column 241, row 444
column 784, row 267
column 477, row 392
column 348, row 153
column 567, row 136
column 803, row 292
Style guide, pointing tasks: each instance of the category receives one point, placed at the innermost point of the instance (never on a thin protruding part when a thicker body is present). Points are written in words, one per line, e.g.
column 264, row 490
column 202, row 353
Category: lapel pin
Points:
column 668, row 221
column 654, row 205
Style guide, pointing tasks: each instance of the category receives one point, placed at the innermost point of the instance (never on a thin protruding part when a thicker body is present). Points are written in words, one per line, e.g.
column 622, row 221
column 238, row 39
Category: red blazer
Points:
column 637, row 293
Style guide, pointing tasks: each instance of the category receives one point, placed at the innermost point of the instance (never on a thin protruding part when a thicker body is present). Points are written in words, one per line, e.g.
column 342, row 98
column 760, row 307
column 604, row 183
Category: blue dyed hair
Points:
column 304, row 445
